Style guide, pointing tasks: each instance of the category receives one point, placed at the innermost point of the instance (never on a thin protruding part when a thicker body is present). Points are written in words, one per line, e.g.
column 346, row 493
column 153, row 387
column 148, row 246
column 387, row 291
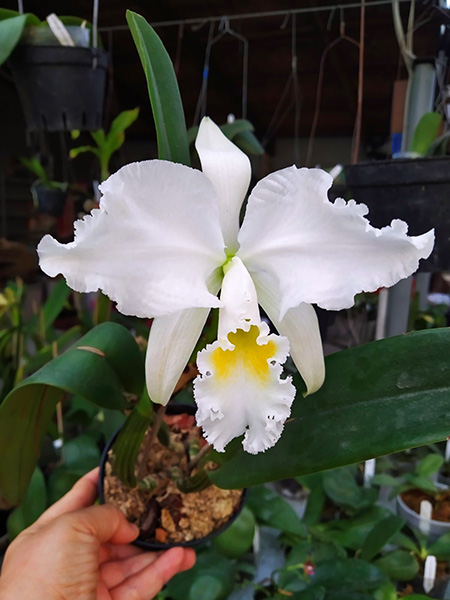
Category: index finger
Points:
column 83, row 494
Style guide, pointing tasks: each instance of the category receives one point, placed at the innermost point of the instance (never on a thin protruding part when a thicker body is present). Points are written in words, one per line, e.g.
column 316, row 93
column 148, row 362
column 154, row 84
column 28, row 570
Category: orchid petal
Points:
column 151, row 245
column 320, row 252
column 229, row 171
column 301, row 326
column 240, row 390
column 171, row 342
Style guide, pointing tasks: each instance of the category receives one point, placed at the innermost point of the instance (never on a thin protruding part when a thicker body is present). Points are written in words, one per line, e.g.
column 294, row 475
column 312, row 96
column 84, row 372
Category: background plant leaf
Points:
column 425, row 133
column 399, row 565
column 99, row 367
column 32, row 506
column 11, row 29
column 380, row 535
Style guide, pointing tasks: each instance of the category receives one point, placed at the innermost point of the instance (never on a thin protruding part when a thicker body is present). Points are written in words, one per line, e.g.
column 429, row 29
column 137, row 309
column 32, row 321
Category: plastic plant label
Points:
column 426, row 509
column 429, row 573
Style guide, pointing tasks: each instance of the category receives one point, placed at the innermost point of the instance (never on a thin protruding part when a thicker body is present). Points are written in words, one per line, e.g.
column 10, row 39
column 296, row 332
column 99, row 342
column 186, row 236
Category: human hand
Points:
column 76, row 551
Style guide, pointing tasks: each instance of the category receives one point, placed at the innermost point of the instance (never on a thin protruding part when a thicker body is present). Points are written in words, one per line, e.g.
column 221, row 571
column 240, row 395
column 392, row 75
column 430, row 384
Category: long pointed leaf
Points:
column 163, row 90
column 100, row 367
column 52, row 307
column 425, row 133
column 10, row 31
column 379, row 398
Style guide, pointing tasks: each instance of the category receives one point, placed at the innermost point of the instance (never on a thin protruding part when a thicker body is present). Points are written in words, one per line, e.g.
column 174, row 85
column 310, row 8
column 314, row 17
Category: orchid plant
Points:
column 166, row 243
column 166, row 239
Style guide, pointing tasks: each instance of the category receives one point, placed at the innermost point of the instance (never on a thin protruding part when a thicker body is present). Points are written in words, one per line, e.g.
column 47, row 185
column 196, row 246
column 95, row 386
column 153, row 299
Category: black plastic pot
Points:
column 172, row 409
column 50, row 201
column 414, row 190
column 61, row 88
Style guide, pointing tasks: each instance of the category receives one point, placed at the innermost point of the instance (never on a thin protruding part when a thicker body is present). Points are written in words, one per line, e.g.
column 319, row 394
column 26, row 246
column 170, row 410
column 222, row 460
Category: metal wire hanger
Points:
column 224, row 29
column 341, row 38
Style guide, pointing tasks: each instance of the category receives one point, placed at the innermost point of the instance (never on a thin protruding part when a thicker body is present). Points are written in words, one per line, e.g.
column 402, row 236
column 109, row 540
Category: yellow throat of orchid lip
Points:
column 247, row 358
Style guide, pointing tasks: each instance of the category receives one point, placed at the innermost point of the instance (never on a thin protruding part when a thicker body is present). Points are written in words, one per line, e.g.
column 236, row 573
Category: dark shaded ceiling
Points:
column 269, row 62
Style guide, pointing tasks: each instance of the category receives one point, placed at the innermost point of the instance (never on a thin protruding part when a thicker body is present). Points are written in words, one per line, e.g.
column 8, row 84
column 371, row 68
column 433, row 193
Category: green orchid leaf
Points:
column 417, row 481
column 404, row 541
column 316, row 498
column 425, row 133
column 439, row 146
column 377, row 399
column 237, row 126
column 192, row 134
column 7, row 13
column 248, row 143
column 128, row 443
column 430, row 464
column 46, row 353
column 101, row 367
column 441, row 547
column 163, row 91
column 60, row 482
column 11, row 29
column 398, row 565
column 33, row 505
column 123, row 121
column 211, row 578
column 74, row 152
column 341, row 487
column 383, row 479
column 387, row 591
column 352, row 533
column 102, row 311
column 380, row 535
column 272, row 510
column 81, row 454
column 51, row 309
column 99, row 137
column 237, row 540
column 349, row 574
column 33, row 165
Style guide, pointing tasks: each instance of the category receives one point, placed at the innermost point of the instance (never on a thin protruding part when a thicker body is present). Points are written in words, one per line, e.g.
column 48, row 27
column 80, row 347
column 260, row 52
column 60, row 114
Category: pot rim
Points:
column 146, row 545
column 410, row 511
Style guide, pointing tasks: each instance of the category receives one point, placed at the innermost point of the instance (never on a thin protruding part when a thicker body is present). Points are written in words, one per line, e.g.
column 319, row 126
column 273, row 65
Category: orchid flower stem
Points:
column 151, row 437
column 198, row 457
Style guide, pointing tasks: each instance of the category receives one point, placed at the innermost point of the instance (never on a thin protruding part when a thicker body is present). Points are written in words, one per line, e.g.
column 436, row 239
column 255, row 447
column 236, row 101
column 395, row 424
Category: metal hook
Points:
column 330, row 18
column 199, row 25
column 285, row 21
column 224, row 24
column 224, row 28
column 94, row 24
column 342, row 21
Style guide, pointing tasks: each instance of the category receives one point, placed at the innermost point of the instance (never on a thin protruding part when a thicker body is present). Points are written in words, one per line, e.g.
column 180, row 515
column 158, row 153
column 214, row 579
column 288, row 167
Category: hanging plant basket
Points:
column 61, row 88
column 414, row 190
column 47, row 200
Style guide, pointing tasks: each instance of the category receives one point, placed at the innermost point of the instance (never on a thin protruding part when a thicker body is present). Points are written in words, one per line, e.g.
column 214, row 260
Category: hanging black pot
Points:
column 414, row 190
column 61, row 88
column 172, row 409
column 48, row 200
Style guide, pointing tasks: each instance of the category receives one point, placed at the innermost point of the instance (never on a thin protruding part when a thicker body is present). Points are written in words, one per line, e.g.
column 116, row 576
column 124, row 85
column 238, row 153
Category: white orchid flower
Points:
column 166, row 239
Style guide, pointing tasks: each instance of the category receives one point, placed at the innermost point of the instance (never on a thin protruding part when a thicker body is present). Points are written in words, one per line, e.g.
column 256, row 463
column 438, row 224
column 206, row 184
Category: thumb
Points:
column 83, row 493
column 105, row 523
